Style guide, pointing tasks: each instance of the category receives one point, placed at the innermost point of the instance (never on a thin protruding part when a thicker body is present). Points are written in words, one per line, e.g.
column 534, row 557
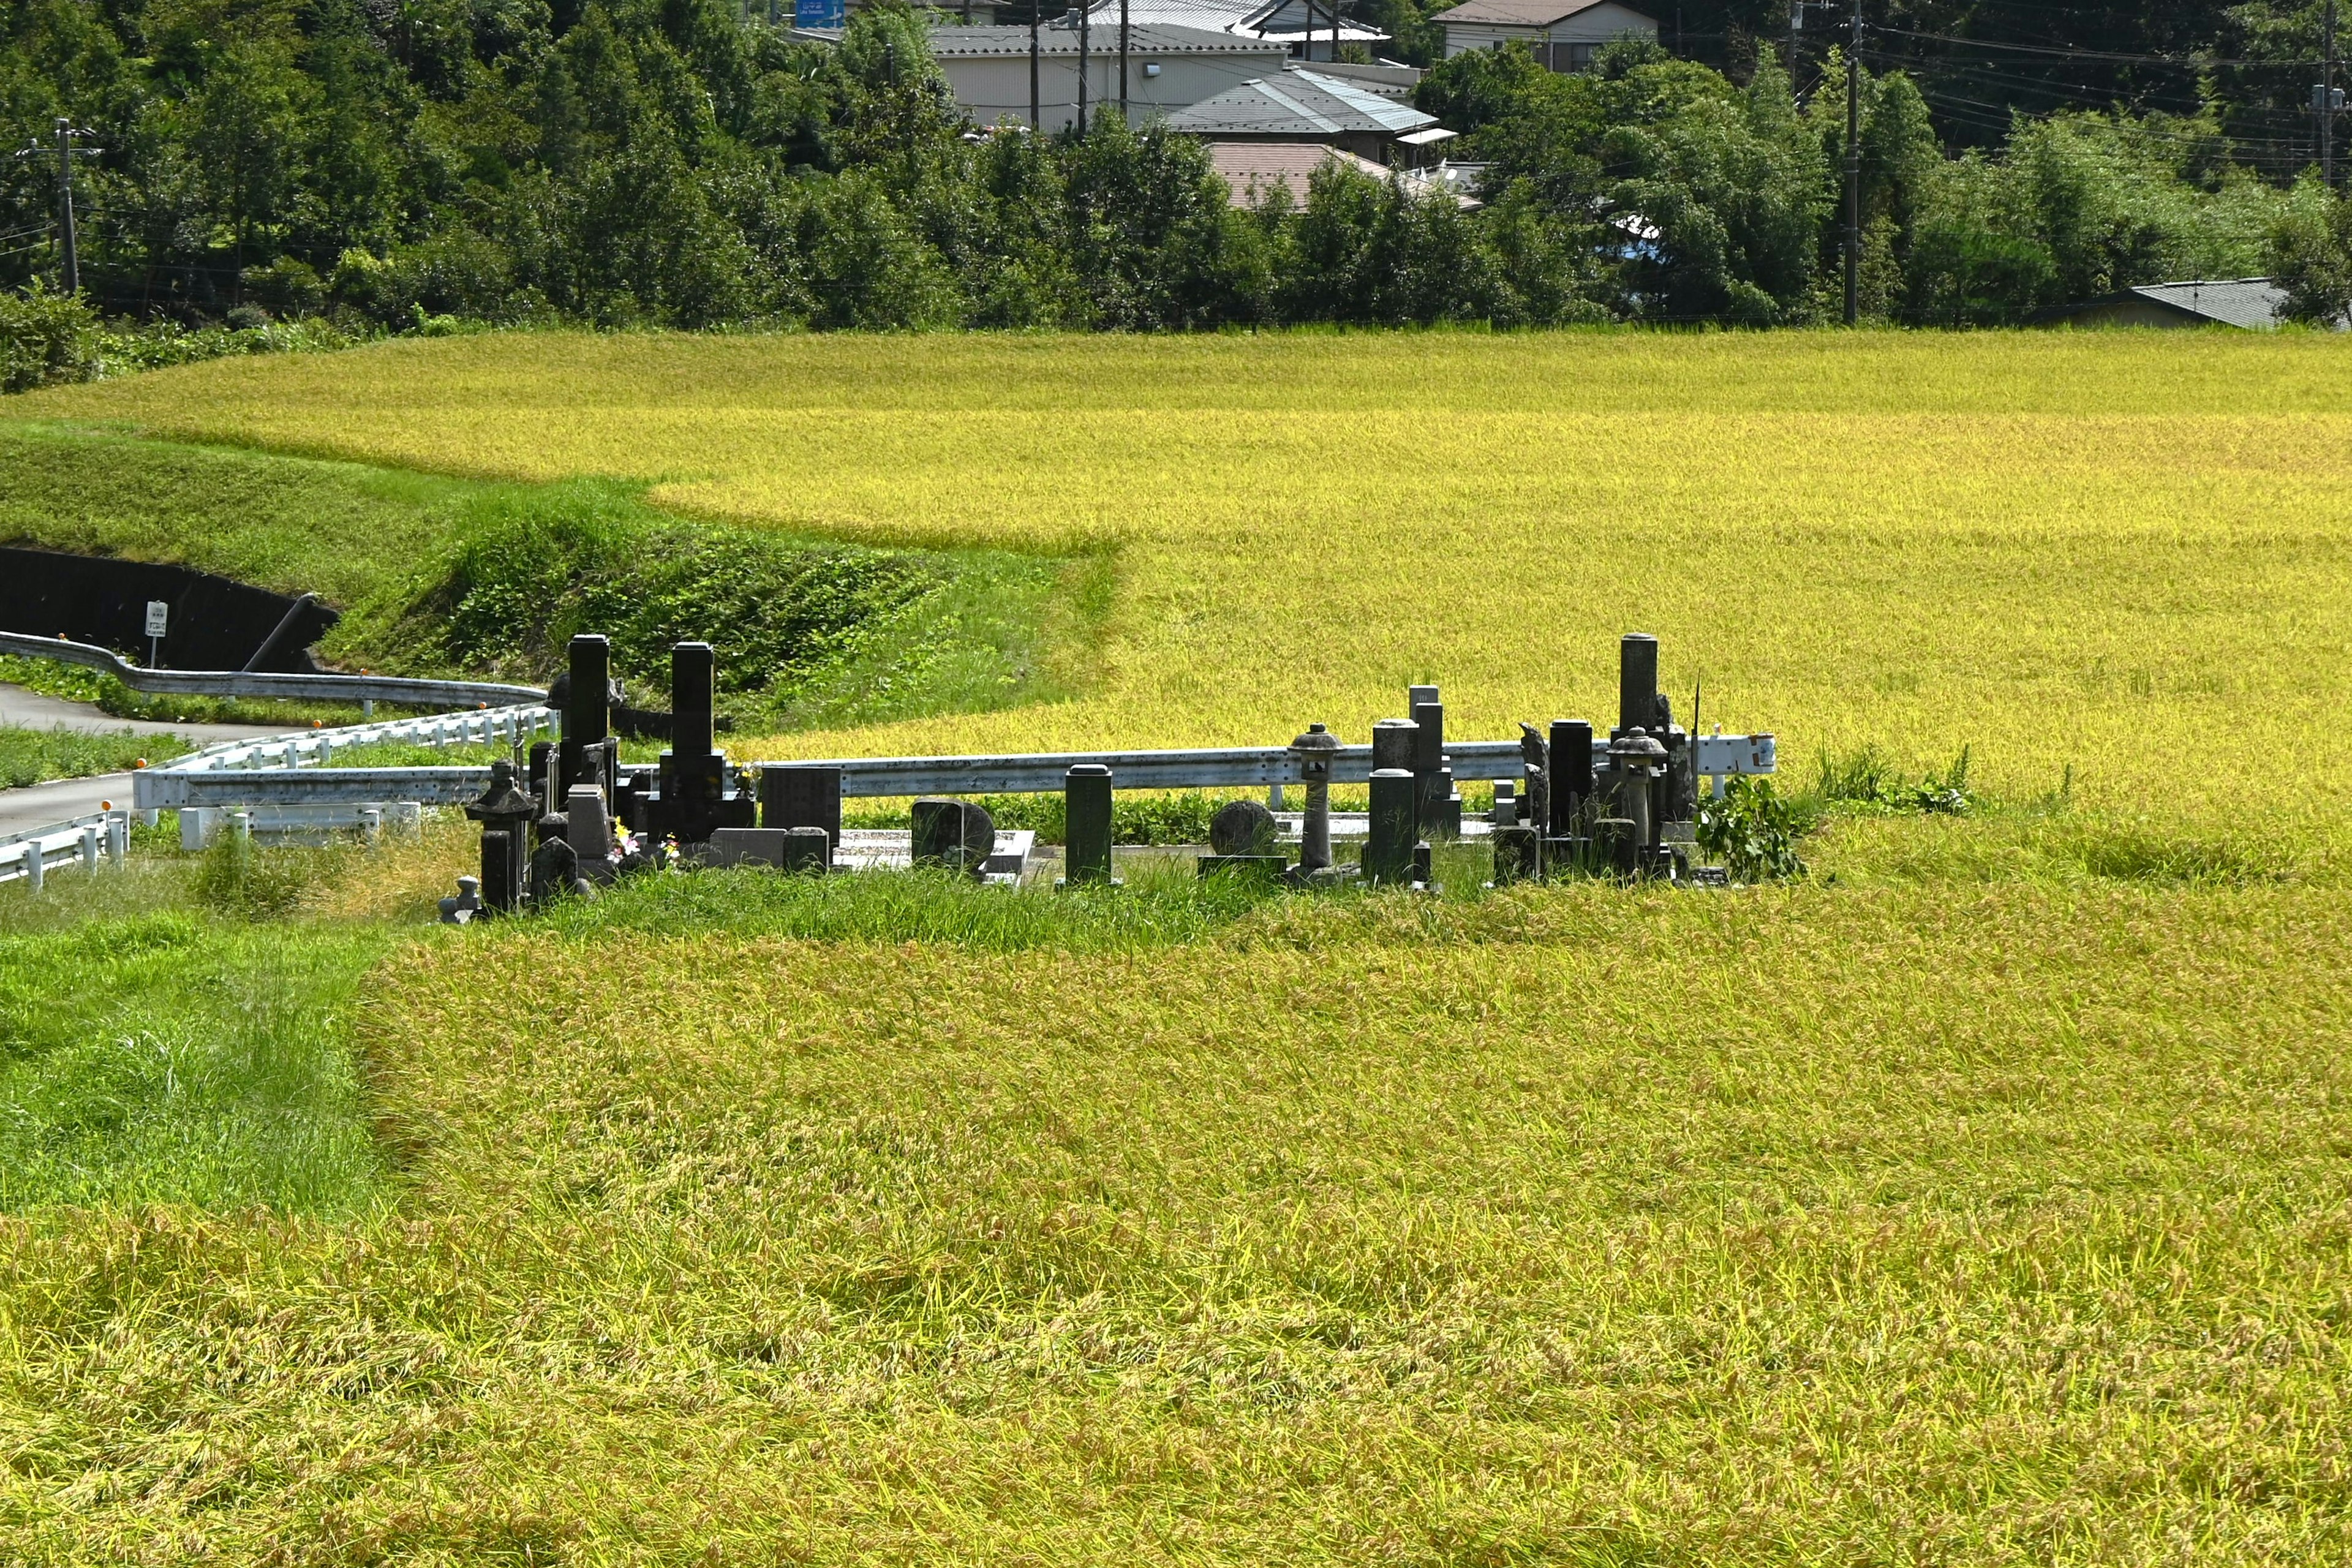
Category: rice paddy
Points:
column 1981, row 1199
column 2095, row 549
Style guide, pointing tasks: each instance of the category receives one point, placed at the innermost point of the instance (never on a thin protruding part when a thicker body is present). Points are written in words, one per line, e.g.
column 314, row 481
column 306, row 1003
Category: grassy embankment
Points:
column 442, row 576
column 1981, row 1200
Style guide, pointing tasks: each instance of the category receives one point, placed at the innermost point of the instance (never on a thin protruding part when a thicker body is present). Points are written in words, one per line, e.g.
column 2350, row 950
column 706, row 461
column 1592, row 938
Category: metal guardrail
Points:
column 1227, row 767
column 400, row 689
column 297, row 768
column 29, row 855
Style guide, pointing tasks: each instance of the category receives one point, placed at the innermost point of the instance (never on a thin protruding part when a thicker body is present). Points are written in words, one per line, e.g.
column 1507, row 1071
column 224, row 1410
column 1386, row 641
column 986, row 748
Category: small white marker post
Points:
column 159, row 615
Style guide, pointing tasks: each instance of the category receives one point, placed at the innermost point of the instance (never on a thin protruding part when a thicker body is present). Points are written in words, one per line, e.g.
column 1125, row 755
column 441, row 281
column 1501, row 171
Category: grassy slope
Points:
column 2103, row 550
column 374, row 541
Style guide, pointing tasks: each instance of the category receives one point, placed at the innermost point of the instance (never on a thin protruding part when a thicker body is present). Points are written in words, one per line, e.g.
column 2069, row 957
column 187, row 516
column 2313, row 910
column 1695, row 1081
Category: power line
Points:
column 2197, row 62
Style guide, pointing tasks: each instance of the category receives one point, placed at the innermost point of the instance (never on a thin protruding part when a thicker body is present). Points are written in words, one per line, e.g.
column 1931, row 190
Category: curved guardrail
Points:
column 400, row 689
column 297, row 768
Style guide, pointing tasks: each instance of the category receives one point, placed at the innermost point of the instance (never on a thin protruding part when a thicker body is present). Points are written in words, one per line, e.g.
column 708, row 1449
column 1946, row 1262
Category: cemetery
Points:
column 569, row 815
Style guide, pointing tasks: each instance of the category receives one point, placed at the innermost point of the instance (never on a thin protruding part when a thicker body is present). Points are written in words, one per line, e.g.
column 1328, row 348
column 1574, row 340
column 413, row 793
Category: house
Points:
column 1168, row 69
column 1300, row 105
column 1253, row 170
column 1563, row 34
column 1301, row 27
column 2253, row 303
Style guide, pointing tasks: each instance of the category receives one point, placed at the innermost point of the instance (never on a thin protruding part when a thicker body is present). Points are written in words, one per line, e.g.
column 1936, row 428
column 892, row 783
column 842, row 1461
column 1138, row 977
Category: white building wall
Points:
column 996, row 88
column 1585, row 30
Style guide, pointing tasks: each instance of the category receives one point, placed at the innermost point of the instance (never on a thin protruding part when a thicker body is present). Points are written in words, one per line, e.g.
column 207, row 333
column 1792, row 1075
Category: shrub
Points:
column 45, row 338
column 1751, row 831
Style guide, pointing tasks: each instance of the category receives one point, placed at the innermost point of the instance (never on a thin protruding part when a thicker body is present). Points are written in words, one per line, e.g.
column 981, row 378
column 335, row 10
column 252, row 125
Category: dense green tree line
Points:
column 396, row 162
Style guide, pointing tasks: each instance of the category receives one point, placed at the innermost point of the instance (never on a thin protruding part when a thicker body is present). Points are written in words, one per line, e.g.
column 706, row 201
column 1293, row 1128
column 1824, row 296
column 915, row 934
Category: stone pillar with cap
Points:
column 1316, row 752
column 505, row 813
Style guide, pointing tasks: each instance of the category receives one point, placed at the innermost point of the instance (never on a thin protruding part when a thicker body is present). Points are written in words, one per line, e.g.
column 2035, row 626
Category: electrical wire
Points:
column 2198, row 62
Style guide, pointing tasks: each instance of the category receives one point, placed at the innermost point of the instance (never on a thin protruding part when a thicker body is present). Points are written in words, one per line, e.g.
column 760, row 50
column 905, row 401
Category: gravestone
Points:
column 955, row 833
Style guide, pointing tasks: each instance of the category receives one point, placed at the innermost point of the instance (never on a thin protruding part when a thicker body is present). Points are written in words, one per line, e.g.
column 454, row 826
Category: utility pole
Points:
column 1036, row 125
column 1796, row 31
column 2327, row 104
column 1854, row 172
column 1086, row 15
column 1123, row 114
column 69, row 251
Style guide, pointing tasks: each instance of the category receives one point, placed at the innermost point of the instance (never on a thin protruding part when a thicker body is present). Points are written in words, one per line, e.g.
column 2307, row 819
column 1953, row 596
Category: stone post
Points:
column 1396, row 746
column 587, row 709
column 1388, row 852
column 1572, row 773
column 1637, row 681
column 1087, row 818
column 808, row 850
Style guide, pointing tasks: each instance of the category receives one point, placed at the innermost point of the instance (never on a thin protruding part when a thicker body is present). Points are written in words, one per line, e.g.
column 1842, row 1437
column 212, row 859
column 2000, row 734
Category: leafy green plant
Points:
column 1752, row 830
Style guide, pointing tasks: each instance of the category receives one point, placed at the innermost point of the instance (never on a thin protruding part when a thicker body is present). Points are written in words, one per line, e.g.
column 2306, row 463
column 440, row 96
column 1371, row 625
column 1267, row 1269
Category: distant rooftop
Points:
column 1519, row 13
column 984, row 43
column 1282, row 21
column 2254, row 303
column 1298, row 103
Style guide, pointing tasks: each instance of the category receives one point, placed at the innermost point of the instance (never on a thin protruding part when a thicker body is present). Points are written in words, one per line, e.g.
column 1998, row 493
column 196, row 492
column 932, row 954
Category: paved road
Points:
column 32, row 710
column 65, row 799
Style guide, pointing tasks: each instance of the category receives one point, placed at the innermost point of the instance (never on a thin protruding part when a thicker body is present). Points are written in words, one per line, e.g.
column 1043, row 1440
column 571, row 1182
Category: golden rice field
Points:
column 2122, row 551
column 1983, row 1199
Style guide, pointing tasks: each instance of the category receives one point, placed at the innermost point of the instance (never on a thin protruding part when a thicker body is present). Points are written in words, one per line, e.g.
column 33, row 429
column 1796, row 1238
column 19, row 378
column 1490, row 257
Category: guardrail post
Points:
column 117, row 840
column 35, row 869
column 89, row 850
column 1086, row 824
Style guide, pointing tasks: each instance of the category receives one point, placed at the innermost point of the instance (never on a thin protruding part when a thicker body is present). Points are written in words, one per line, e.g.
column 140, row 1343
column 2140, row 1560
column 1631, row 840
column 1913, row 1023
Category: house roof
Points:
column 1253, row 168
column 2255, row 303
column 1281, row 21
column 1520, row 13
column 992, row 42
column 1298, row 103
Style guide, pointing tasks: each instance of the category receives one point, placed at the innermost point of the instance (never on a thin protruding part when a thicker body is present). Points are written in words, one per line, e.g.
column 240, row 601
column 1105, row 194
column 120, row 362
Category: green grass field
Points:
column 1980, row 1198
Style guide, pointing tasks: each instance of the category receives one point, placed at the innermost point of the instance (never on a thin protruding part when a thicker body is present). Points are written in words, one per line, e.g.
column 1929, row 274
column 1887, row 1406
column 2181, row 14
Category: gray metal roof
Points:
column 1272, row 19
column 1298, row 103
column 2255, row 303
column 1519, row 13
column 984, row 43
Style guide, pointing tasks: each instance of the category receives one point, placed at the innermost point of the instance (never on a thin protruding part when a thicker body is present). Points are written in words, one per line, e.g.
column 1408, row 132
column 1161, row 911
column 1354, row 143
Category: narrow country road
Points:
column 61, row 800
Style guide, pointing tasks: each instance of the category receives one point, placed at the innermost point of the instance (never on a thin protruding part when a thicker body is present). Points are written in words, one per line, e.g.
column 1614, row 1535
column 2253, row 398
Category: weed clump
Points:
column 1869, row 781
column 238, row 878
